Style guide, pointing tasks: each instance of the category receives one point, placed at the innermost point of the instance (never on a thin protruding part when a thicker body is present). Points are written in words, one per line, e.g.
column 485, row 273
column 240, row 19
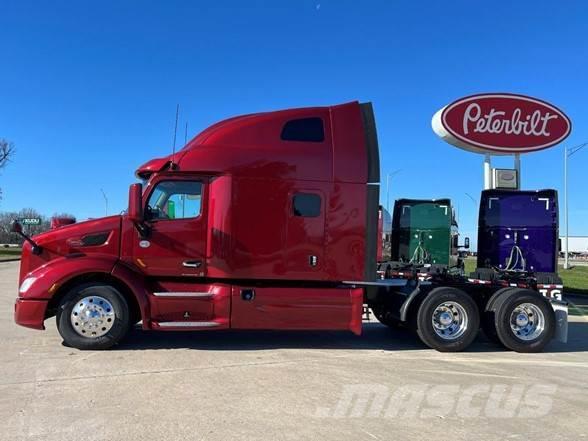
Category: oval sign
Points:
column 501, row 123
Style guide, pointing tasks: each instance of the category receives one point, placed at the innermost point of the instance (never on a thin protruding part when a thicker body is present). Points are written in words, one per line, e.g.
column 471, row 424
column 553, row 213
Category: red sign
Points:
column 501, row 123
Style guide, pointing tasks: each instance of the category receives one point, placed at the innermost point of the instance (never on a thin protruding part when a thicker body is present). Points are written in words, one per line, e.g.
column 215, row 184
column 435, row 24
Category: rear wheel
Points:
column 93, row 316
column 525, row 321
column 488, row 318
column 448, row 320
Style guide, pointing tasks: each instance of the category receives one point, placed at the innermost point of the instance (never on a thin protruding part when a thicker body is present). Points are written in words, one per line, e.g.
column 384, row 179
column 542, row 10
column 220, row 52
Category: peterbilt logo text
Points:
column 501, row 123
column 496, row 121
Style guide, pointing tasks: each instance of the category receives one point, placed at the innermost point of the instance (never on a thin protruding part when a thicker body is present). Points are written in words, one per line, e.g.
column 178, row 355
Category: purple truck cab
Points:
column 518, row 230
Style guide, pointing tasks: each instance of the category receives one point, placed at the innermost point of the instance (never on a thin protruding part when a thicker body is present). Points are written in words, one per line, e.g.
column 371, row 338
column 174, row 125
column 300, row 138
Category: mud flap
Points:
column 561, row 320
column 356, row 296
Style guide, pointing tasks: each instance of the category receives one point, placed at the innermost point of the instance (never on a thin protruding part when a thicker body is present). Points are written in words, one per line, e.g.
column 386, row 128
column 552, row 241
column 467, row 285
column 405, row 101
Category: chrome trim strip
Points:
column 184, row 294
column 188, row 324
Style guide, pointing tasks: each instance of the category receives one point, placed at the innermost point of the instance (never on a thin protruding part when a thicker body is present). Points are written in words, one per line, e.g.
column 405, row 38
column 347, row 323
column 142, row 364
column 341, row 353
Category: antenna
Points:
column 186, row 134
column 175, row 134
column 105, row 201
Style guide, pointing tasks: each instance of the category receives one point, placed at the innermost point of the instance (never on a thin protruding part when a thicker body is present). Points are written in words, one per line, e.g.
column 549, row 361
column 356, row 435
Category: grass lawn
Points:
column 9, row 253
column 470, row 265
column 575, row 280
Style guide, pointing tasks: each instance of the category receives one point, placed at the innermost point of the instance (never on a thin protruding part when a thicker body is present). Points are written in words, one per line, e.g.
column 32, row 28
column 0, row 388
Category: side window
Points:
column 304, row 130
column 306, row 205
column 174, row 200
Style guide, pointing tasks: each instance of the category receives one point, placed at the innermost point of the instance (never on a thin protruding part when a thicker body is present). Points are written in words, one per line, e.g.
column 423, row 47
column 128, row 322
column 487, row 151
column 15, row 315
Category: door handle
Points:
column 192, row 263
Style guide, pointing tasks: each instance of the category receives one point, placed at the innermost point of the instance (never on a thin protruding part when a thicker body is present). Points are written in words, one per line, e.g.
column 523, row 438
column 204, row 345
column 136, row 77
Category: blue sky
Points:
column 88, row 89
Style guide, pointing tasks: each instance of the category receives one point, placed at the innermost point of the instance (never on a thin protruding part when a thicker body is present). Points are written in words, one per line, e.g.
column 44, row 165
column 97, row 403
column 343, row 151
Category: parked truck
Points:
column 517, row 258
column 262, row 221
column 425, row 232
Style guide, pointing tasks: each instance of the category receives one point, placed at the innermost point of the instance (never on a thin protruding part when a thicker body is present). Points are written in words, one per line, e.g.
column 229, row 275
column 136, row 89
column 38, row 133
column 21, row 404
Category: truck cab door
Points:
column 175, row 214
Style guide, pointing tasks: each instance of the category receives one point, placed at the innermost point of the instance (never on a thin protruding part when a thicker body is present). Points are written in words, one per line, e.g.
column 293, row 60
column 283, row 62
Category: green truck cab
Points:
column 424, row 232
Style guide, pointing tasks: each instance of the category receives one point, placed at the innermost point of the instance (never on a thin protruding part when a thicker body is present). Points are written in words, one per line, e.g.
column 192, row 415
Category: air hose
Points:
column 516, row 254
column 420, row 255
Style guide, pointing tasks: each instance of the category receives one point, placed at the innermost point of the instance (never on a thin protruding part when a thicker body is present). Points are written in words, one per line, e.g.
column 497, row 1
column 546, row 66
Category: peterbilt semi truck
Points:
column 262, row 221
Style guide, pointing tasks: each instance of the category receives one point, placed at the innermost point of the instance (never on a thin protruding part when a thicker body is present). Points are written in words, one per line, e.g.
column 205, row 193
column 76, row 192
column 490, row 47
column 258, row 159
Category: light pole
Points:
column 475, row 202
column 388, row 176
column 473, row 199
column 567, row 153
column 105, row 201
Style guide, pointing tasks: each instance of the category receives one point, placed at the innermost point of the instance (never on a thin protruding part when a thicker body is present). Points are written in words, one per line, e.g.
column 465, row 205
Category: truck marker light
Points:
column 141, row 263
column 53, row 288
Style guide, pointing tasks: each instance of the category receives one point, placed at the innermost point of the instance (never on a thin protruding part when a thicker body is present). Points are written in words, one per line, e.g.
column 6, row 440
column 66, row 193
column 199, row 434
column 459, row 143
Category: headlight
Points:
column 26, row 284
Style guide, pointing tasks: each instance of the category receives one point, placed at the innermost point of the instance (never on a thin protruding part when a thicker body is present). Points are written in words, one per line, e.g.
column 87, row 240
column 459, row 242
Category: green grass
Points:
column 470, row 265
column 9, row 253
column 575, row 279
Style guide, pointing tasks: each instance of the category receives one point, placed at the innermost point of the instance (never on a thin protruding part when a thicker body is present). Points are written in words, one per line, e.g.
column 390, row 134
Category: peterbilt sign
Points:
column 501, row 123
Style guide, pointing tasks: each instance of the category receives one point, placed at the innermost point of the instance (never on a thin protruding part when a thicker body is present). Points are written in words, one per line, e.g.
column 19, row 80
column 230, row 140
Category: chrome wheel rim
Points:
column 527, row 321
column 450, row 320
column 92, row 316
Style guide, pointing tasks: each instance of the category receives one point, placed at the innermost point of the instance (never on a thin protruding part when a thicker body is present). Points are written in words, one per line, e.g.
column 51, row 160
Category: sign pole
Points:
column 565, row 150
column 487, row 172
column 517, row 166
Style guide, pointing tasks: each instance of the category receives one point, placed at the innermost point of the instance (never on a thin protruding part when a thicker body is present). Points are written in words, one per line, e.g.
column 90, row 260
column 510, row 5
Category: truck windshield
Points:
column 424, row 216
column 518, row 211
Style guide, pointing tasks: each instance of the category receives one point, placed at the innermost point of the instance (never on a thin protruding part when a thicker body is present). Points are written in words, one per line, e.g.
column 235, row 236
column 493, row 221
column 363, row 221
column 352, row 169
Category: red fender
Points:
column 59, row 271
column 135, row 282
column 38, row 286
column 50, row 277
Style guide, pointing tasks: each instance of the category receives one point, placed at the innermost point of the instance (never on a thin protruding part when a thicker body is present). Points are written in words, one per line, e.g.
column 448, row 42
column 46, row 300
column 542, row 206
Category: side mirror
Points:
column 135, row 211
column 15, row 227
column 466, row 244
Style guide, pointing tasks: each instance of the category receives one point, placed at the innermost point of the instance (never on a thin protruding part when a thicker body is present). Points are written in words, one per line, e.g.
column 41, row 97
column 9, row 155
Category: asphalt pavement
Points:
column 211, row 385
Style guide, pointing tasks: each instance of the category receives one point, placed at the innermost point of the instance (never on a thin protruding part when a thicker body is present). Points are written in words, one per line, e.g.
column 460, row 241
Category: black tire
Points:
column 488, row 318
column 385, row 317
column 426, row 330
column 121, row 321
column 508, row 337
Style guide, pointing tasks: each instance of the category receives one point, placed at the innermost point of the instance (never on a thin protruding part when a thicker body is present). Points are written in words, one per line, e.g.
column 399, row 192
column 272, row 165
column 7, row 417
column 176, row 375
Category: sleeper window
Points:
column 304, row 130
column 306, row 205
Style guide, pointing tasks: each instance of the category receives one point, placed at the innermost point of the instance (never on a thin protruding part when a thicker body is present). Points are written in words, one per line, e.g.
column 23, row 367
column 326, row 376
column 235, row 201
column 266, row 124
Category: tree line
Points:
column 6, row 218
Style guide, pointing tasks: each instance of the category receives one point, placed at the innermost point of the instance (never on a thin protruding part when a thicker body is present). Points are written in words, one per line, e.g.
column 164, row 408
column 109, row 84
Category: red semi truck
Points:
column 262, row 221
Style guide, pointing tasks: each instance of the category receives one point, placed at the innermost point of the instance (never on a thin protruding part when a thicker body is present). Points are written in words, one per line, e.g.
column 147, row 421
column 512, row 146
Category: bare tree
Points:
column 6, row 152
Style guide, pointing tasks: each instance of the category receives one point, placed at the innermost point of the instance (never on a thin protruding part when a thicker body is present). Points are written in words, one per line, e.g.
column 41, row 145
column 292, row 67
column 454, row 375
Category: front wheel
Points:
column 448, row 320
column 93, row 316
column 525, row 321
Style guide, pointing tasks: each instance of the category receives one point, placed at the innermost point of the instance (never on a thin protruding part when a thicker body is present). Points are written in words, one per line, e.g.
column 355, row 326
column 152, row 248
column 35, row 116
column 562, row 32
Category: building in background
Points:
column 578, row 246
